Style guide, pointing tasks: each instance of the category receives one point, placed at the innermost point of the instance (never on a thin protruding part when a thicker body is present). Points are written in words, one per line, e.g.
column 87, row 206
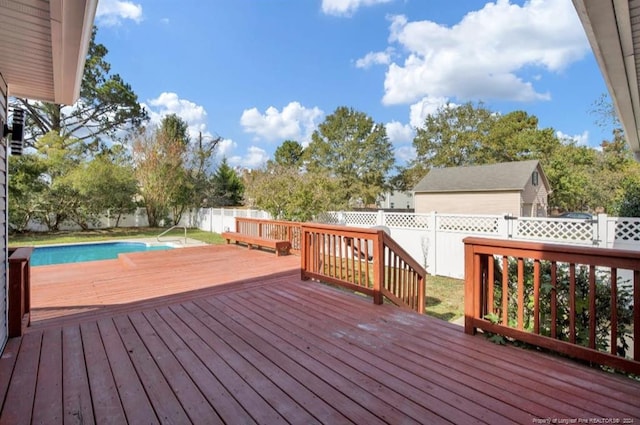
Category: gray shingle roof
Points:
column 503, row 176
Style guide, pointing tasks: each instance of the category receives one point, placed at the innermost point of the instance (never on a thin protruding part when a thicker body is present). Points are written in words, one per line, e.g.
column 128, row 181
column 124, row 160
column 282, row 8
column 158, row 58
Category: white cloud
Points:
column 255, row 157
column 579, row 139
column 294, row 122
column 404, row 154
column 375, row 58
column 225, row 147
column 486, row 54
column 347, row 7
column 170, row 103
column 399, row 133
column 426, row 106
column 113, row 12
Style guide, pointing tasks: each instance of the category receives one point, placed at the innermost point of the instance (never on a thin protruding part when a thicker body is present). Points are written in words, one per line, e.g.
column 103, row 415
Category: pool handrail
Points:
column 170, row 229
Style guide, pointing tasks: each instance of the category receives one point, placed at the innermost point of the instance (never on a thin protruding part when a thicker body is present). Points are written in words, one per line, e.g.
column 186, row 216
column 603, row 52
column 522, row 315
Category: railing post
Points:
column 471, row 291
column 378, row 266
column 304, row 253
column 19, row 303
column 421, row 294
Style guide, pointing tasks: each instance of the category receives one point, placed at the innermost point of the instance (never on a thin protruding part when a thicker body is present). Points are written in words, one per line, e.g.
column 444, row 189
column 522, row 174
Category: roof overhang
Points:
column 613, row 29
column 43, row 47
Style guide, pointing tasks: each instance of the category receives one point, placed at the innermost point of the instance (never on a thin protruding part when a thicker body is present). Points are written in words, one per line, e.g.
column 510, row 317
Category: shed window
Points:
column 534, row 178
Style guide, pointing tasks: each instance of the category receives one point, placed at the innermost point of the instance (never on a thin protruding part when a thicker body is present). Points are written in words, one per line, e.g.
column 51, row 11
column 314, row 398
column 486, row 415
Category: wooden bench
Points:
column 279, row 246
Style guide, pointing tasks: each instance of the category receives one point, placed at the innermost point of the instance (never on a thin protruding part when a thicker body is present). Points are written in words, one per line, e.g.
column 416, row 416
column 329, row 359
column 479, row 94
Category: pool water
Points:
column 88, row 252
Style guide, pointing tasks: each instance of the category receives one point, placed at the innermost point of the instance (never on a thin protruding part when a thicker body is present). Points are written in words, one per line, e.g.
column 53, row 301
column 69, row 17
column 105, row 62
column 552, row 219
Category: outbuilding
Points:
column 518, row 188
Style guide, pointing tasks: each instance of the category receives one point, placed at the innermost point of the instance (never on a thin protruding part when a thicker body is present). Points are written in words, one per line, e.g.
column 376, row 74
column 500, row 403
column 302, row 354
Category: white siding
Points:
column 469, row 203
column 397, row 200
column 4, row 325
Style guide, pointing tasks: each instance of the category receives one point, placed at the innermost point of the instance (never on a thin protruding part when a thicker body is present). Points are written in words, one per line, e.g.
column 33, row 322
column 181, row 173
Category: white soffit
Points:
column 613, row 29
column 43, row 46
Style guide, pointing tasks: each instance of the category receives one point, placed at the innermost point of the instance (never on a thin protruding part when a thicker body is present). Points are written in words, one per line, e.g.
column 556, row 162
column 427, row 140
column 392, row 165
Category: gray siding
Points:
column 534, row 198
column 3, row 218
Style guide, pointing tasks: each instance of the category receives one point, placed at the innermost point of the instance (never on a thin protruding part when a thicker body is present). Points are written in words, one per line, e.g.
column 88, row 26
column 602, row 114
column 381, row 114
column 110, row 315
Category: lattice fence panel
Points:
column 627, row 230
column 567, row 231
column 360, row 218
column 407, row 221
column 328, row 218
column 483, row 225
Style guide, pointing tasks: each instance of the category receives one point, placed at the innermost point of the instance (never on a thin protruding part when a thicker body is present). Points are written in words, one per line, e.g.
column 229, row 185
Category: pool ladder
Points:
column 170, row 229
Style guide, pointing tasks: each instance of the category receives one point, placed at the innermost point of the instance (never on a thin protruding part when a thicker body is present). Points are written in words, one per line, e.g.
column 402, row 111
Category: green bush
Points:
column 603, row 303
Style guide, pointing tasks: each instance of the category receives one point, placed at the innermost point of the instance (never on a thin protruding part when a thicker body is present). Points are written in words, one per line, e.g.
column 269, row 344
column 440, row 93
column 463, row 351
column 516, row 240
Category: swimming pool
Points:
column 61, row 254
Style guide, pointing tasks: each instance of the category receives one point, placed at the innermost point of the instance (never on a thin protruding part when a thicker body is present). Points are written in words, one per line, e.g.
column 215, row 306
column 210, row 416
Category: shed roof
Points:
column 505, row 176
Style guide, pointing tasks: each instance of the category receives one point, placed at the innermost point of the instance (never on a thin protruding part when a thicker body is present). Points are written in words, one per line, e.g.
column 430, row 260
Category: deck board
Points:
column 234, row 336
column 136, row 405
column 104, row 393
column 47, row 406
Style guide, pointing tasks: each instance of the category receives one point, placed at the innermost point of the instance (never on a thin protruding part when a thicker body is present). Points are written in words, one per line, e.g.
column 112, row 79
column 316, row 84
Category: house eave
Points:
column 613, row 30
column 43, row 47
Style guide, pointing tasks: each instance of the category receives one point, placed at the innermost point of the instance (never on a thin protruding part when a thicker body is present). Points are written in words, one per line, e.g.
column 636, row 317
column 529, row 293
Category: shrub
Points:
column 602, row 311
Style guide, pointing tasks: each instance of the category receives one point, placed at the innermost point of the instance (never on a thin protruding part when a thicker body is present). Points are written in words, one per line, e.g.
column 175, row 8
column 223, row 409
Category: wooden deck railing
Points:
column 19, row 296
column 363, row 260
column 568, row 299
column 271, row 229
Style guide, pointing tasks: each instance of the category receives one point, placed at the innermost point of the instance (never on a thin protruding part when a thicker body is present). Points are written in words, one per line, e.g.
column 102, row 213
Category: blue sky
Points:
column 258, row 72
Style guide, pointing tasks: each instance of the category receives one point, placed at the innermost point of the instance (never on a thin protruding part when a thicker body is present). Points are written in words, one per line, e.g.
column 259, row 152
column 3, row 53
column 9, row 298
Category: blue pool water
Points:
column 87, row 252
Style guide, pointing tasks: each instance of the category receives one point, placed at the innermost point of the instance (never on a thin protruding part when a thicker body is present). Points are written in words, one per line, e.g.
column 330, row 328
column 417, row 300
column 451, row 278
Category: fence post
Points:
column 503, row 226
column 600, row 231
column 380, row 218
column 433, row 235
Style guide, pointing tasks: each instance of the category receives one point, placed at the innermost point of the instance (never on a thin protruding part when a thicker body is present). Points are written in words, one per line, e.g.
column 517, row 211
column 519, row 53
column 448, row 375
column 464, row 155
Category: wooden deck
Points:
column 225, row 335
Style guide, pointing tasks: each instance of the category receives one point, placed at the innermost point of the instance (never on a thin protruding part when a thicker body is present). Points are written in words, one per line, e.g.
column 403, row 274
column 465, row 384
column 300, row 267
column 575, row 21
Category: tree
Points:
column 630, row 203
column 289, row 153
column 60, row 201
column 107, row 184
column 26, row 189
column 453, row 136
column 289, row 194
column 174, row 134
column 201, row 154
column 159, row 158
column 355, row 150
column 473, row 135
column 227, row 186
column 570, row 171
column 107, row 107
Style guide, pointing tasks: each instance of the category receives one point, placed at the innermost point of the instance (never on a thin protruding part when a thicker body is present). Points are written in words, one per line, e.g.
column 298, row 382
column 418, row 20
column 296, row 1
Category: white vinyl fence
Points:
column 435, row 240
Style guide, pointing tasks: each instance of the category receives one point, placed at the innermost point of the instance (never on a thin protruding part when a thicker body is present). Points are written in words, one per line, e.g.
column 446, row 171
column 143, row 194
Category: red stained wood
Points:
column 244, row 342
column 104, row 392
column 47, row 406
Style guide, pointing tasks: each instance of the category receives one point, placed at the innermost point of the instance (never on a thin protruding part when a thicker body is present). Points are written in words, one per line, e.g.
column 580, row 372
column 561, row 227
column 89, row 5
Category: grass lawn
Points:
column 445, row 295
column 37, row 238
column 445, row 298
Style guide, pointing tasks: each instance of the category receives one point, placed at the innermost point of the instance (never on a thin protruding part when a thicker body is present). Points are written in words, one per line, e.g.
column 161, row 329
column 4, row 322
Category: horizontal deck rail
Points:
column 271, row 229
column 568, row 299
column 19, row 294
column 363, row 260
